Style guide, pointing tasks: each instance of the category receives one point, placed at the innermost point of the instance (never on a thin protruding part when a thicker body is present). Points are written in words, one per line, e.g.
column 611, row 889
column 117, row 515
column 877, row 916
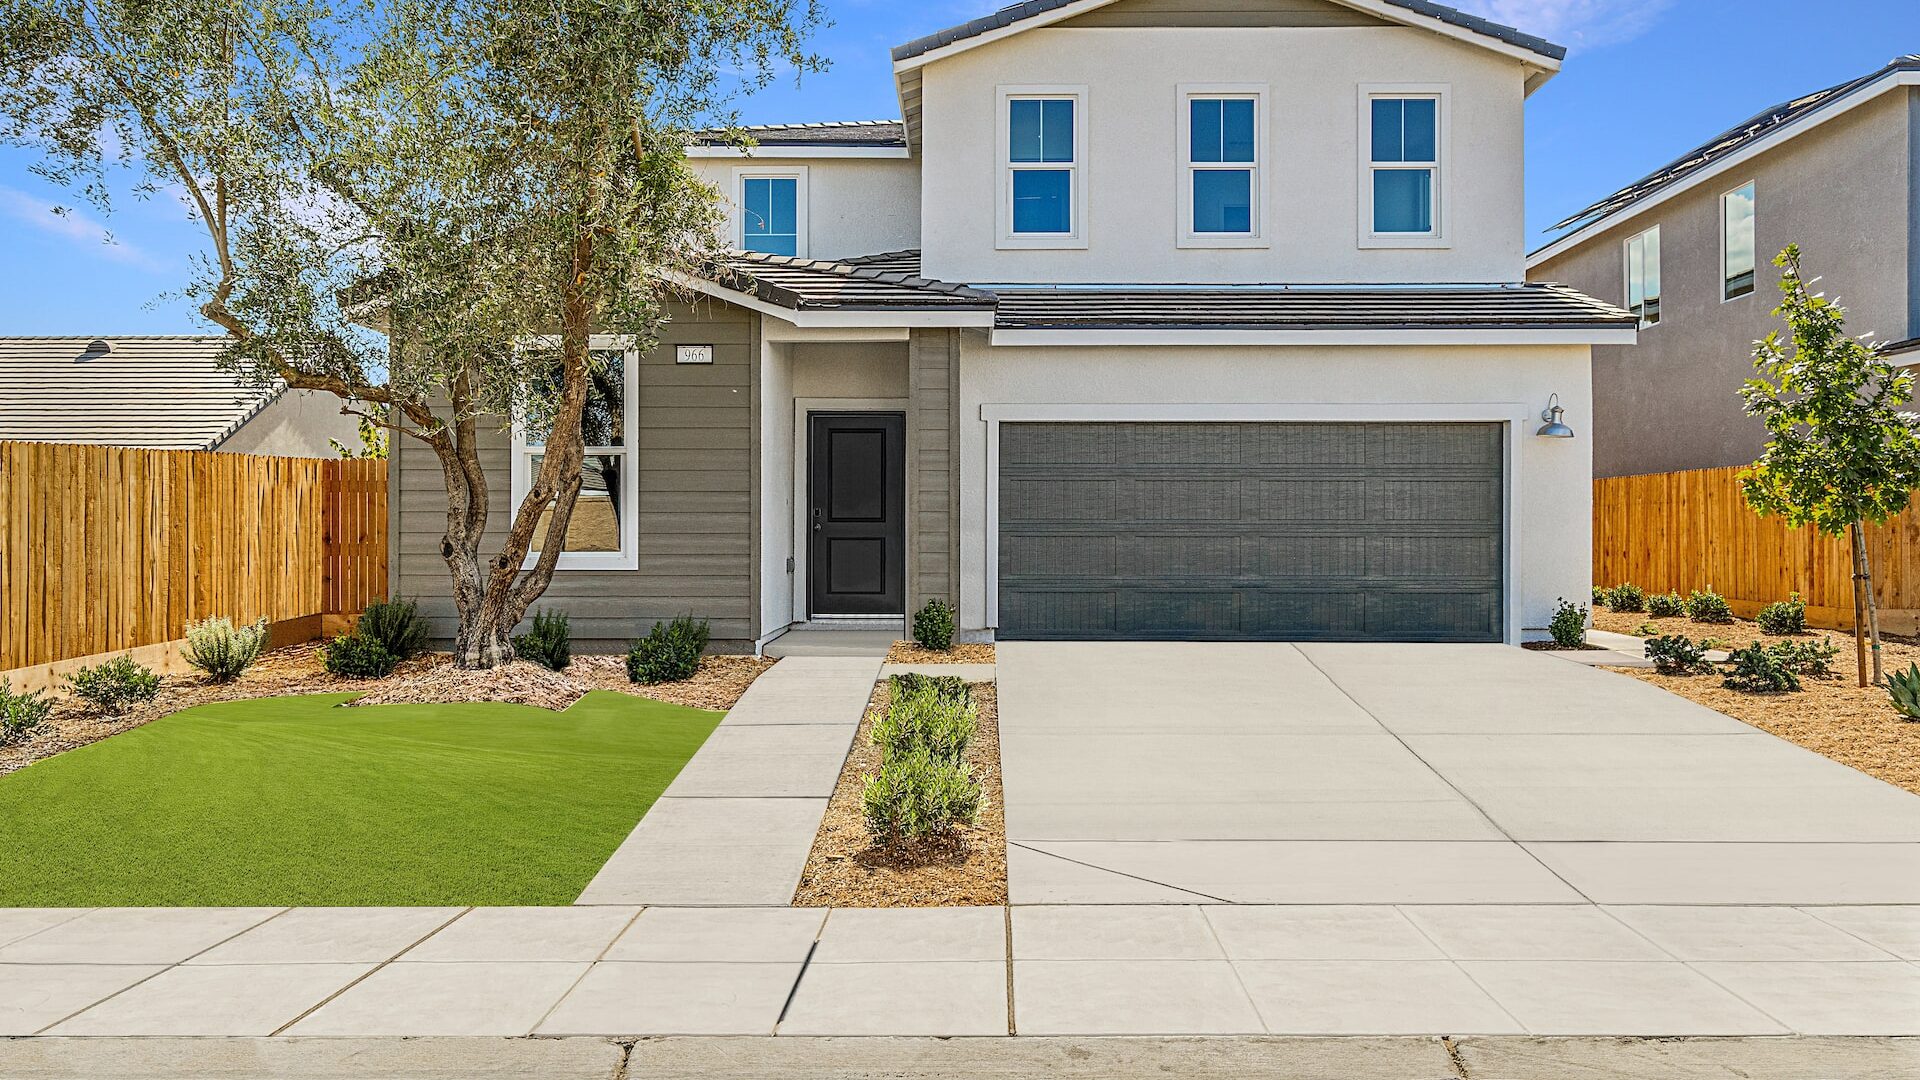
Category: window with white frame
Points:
column 604, row 532
column 1736, row 242
column 1042, row 172
column 772, row 210
column 1220, row 191
column 1643, row 276
column 1403, row 164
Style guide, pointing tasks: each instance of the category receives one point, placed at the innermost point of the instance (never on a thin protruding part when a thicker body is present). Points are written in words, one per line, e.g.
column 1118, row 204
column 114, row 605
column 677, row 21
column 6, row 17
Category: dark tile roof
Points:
column 1007, row 16
column 832, row 133
column 901, row 262
column 816, row 284
column 161, row 392
column 1728, row 142
column 1438, row 307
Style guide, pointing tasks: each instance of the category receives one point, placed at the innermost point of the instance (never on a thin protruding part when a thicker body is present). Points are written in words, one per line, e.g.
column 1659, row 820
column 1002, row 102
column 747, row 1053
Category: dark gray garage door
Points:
column 1292, row 532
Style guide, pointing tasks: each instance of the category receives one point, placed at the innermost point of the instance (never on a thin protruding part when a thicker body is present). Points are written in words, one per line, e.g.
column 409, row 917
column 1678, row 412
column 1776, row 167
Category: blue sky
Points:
column 1645, row 80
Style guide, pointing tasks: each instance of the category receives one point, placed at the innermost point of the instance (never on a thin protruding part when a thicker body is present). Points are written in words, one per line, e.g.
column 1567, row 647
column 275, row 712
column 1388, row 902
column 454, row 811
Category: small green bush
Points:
column 1568, row 625
column 1677, row 655
column 918, row 796
column 22, row 714
column 352, row 656
column 397, row 625
column 1708, row 607
column 933, row 626
column 1806, row 657
column 913, row 684
column 1627, row 597
column 224, row 650
column 1904, row 686
column 930, row 721
column 549, row 643
column 1758, row 669
column 1666, row 605
column 670, row 652
column 1600, row 595
column 1647, row 629
column 114, row 685
column 1784, row 617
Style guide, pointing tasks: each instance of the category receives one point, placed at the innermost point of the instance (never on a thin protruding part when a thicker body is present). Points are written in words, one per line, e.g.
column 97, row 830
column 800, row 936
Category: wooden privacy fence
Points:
column 1693, row 530
column 105, row 549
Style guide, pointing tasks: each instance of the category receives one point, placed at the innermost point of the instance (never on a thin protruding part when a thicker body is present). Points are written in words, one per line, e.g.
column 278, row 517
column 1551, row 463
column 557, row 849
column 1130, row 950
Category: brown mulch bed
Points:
column 906, row 652
column 1548, row 646
column 845, row 870
column 1833, row 716
column 297, row 669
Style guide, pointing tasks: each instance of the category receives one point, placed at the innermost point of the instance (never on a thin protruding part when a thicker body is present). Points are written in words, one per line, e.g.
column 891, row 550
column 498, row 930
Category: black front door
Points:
column 856, row 513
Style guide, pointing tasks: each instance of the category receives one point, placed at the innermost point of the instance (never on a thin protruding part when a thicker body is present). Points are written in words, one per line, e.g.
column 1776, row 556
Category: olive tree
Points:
column 1842, row 452
column 398, row 196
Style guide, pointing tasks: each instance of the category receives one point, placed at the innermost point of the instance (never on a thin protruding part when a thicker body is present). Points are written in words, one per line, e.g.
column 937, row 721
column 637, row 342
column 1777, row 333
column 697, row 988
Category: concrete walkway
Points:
column 1416, row 774
column 736, row 825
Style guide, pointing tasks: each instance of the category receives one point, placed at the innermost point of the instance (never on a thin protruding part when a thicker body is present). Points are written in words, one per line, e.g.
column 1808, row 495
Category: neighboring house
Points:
column 1152, row 319
column 163, row 393
column 1690, row 248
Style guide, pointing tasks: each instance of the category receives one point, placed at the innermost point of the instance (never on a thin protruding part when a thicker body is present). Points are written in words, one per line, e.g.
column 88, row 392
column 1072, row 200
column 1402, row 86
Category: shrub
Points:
column 1647, row 629
column 1627, row 597
column 114, row 685
column 931, row 721
column 548, row 644
column 1757, row 669
column 1600, row 595
column 913, row 684
column 933, row 626
column 1677, row 655
column 1666, row 605
column 1805, row 657
column 1568, row 625
column 397, row 625
column 918, row 796
column 1904, row 686
column 670, row 652
column 224, row 650
column 1708, row 607
column 352, row 656
column 21, row 714
column 1784, row 617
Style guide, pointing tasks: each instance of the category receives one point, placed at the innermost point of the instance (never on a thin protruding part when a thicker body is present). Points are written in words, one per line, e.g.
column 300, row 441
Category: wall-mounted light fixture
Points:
column 1554, row 428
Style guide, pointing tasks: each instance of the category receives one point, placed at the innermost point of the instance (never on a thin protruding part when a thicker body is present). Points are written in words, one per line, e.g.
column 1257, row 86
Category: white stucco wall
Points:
column 299, row 423
column 855, row 206
column 1550, row 505
column 1311, row 182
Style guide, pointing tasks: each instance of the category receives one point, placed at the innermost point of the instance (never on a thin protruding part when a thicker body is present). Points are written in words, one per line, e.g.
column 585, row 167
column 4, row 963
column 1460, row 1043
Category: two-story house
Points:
column 1690, row 250
column 1148, row 319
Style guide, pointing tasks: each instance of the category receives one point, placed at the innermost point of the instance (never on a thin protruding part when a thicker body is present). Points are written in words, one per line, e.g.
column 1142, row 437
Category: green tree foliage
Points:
column 1842, row 451
column 464, row 176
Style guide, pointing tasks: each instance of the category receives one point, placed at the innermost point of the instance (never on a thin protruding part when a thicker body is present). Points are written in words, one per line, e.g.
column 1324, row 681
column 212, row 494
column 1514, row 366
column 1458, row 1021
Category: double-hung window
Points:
column 604, row 533
column 1401, row 190
column 1643, row 276
column 1220, row 195
column 1736, row 242
column 772, row 210
column 1043, row 172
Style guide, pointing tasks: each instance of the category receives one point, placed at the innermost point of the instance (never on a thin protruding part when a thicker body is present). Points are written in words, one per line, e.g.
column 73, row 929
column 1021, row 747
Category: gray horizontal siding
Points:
column 696, row 508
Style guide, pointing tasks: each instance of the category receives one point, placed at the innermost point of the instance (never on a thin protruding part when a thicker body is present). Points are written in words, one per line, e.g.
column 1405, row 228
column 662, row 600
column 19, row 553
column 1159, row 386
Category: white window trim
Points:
column 1441, row 236
column 1184, row 236
column 798, row 173
column 1003, row 194
column 1722, row 207
column 1626, row 267
column 628, row 557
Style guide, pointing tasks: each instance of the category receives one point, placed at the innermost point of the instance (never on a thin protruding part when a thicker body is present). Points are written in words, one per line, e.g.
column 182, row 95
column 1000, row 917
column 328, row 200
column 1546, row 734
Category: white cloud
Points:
column 73, row 225
column 1577, row 24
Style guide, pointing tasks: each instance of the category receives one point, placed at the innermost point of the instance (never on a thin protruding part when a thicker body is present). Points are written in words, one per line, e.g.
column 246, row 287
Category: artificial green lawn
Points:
column 294, row 800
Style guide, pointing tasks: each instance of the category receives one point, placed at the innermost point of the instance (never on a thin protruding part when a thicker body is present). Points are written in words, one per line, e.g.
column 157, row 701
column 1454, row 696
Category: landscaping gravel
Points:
column 906, row 652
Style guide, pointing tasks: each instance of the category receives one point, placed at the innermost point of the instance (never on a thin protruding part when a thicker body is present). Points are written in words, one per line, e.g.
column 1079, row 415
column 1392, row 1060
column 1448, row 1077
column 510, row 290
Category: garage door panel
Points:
column 1316, row 532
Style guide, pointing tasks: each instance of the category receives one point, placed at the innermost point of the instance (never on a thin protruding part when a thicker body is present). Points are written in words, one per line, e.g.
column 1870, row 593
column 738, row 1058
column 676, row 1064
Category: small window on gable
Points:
column 770, row 214
column 1736, row 242
column 1404, row 165
column 1643, row 276
column 1221, row 199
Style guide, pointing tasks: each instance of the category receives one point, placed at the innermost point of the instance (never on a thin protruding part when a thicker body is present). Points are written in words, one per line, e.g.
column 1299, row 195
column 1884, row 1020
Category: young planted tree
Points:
column 1843, row 453
column 486, row 183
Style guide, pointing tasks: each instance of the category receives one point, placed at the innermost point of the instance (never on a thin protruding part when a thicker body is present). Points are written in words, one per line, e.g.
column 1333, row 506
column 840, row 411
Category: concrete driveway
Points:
column 1415, row 774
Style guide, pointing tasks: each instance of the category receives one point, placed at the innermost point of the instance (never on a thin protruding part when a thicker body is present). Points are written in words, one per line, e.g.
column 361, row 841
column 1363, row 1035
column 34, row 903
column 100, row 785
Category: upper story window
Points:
column 604, row 533
column 1643, row 276
column 1401, row 191
column 1736, row 242
column 1043, row 173
column 772, row 210
column 1220, row 193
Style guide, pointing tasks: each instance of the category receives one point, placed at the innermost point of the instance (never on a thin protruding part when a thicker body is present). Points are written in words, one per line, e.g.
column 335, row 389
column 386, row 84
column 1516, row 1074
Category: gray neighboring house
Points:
column 156, row 392
column 1690, row 249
